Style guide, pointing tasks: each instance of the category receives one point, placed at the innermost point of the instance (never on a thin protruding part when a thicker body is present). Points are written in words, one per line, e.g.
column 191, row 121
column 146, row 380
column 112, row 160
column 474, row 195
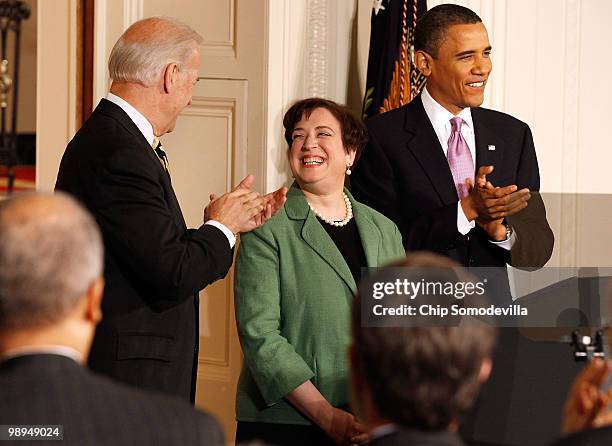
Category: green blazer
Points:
column 293, row 293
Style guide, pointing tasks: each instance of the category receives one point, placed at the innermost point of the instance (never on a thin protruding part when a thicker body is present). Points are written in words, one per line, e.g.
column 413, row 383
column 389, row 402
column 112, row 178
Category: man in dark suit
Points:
column 461, row 180
column 418, row 168
column 412, row 383
column 51, row 259
column 154, row 266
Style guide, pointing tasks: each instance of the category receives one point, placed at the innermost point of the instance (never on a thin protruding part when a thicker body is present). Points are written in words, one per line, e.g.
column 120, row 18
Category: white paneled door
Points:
column 218, row 140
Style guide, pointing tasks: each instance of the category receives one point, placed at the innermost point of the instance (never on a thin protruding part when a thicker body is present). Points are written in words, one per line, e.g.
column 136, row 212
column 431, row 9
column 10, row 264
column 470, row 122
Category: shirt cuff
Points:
column 463, row 224
column 231, row 238
column 508, row 243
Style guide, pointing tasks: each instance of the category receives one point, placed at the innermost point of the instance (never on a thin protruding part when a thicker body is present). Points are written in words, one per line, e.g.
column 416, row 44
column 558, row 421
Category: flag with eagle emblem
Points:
column 392, row 79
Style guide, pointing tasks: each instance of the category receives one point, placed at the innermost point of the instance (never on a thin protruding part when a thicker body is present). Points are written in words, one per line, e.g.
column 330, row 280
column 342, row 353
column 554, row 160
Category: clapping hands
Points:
column 489, row 205
column 242, row 210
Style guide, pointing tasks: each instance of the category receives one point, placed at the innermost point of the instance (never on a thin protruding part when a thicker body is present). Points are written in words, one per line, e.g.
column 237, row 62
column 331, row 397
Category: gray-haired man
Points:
column 50, row 292
column 155, row 266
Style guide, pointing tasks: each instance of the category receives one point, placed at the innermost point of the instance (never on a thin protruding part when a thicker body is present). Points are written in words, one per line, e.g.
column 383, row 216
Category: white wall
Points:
column 56, row 86
column 26, row 119
column 550, row 70
column 309, row 54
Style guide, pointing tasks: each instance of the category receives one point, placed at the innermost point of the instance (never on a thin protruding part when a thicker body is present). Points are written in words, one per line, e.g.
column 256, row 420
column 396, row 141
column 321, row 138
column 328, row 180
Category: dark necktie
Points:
column 161, row 154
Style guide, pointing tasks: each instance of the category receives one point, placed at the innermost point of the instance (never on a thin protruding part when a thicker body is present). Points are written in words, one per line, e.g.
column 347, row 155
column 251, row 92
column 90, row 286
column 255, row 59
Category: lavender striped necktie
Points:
column 459, row 157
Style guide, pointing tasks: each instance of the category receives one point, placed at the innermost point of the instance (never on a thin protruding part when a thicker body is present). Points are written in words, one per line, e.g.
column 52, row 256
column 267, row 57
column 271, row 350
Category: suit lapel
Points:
column 170, row 192
column 171, row 198
column 426, row 148
column 485, row 138
column 112, row 110
column 316, row 237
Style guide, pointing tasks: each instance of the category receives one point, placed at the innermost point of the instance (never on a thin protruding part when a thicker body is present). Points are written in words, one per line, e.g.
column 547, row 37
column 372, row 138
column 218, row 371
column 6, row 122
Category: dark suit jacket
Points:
column 51, row 389
column 154, row 265
column 404, row 174
column 412, row 437
column 591, row 437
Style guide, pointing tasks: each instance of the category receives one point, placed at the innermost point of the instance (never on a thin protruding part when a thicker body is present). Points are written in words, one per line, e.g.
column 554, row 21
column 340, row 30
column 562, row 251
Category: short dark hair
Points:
column 422, row 377
column 354, row 132
column 431, row 28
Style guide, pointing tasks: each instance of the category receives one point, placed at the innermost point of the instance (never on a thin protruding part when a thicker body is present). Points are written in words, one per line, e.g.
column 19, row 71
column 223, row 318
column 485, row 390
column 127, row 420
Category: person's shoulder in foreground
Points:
column 51, row 287
column 54, row 390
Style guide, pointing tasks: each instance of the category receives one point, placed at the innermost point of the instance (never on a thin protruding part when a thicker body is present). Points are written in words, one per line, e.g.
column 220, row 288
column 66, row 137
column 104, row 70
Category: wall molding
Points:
column 278, row 53
column 226, row 47
column 110, row 20
column 498, row 30
column 317, row 54
column 308, row 54
column 570, row 143
column 211, row 372
column 132, row 12
column 100, row 73
column 223, row 108
column 56, row 65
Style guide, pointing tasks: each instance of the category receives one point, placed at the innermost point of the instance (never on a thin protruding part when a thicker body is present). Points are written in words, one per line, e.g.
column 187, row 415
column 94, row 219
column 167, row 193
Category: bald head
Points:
column 50, row 254
column 147, row 46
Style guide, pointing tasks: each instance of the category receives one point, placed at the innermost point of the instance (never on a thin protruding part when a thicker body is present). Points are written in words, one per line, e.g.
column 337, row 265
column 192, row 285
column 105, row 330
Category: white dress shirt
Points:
column 146, row 129
column 440, row 120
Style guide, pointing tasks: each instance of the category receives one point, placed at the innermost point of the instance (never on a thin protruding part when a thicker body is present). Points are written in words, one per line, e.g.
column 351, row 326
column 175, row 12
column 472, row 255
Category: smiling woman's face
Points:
column 317, row 156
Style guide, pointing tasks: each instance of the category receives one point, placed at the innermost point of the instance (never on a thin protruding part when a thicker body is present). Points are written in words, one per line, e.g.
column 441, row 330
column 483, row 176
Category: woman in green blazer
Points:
column 295, row 281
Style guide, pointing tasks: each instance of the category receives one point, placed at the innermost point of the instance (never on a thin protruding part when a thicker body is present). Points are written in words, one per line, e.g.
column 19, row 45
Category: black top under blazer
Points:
column 154, row 265
column 404, row 174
